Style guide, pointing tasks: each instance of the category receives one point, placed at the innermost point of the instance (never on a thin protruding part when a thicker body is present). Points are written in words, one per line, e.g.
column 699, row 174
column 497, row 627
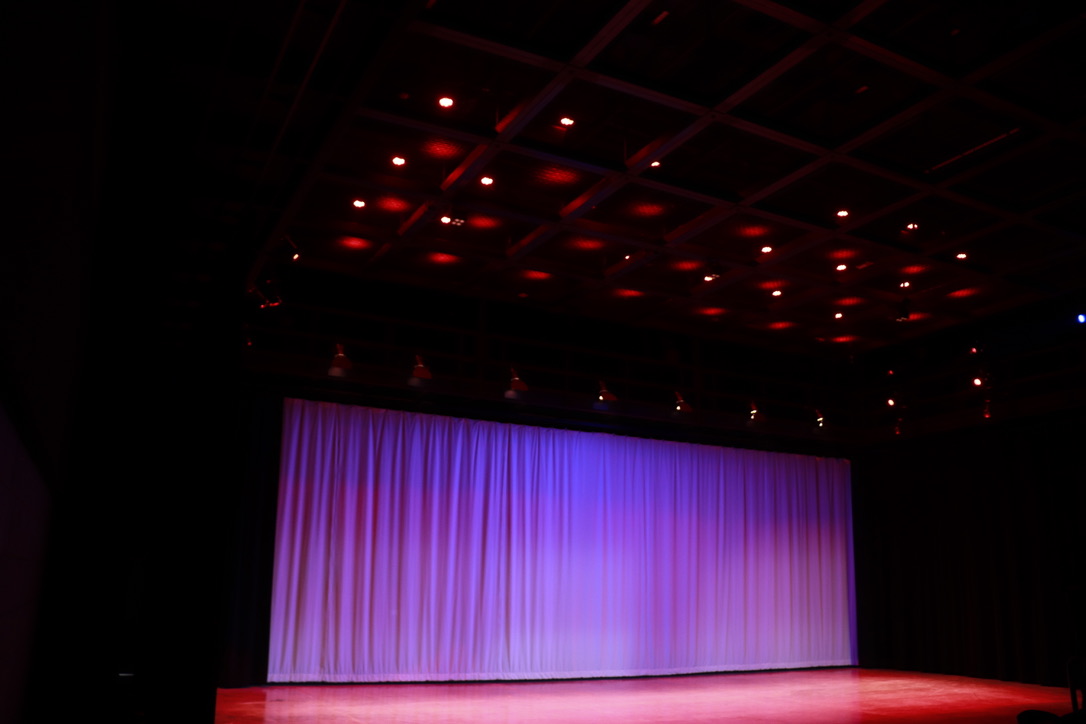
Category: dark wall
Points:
column 969, row 550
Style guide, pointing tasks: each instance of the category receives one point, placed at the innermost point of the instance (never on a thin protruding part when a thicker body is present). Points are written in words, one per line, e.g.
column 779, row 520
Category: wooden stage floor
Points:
column 826, row 696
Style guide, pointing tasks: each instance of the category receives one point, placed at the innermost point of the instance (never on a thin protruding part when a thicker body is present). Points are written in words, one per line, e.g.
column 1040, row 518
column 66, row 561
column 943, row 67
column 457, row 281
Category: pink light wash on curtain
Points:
column 415, row 547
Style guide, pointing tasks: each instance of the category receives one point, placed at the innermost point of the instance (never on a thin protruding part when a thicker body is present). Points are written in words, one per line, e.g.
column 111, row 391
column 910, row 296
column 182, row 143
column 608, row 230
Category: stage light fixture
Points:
column 516, row 383
column 421, row 371
column 340, row 363
column 606, row 395
column 682, row 405
column 820, row 421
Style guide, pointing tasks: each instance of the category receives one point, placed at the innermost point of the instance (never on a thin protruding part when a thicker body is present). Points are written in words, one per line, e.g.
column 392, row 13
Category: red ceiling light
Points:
column 647, row 209
column 442, row 148
column 398, row 160
column 850, row 301
column 438, row 257
column 711, row 311
column 845, row 339
column 486, row 181
column 358, row 204
column 686, row 264
column 843, row 254
column 628, row 293
column 535, row 274
column 391, row 203
column 556, row 175
column 753, row 230
column 479, row 221
column 962, row 293
column 781, row 325
column 353, row 242
column 445, row 102
column 915, row 269
column 587, row 244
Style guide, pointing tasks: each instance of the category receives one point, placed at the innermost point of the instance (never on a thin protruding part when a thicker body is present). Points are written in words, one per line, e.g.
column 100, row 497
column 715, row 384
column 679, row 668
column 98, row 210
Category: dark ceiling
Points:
column 698, row 185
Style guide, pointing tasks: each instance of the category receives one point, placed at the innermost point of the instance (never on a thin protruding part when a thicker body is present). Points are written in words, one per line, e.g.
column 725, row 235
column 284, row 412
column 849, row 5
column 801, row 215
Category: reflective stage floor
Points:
column 826, row 696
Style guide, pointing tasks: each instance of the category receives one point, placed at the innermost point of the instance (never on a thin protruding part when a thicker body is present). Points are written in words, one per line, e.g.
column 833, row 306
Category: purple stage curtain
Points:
column 415, row 547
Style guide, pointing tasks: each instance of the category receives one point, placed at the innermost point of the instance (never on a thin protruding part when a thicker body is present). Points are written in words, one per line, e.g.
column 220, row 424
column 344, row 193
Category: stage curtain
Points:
column 414, row 547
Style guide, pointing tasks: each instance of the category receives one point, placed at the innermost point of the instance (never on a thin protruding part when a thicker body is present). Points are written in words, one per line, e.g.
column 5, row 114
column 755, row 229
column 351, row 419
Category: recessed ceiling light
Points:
column 655, row 164
column 398, row 160
column 486, row 181
column 842, row 213
column 961, row 255
column 905, row 284
column 566, row 121
column 445, row 102
column 777, row 292
column 767, row 249
column 842, row 267
column 446, row 219
column 838, row 315
column 911, row 226
column 358, row 203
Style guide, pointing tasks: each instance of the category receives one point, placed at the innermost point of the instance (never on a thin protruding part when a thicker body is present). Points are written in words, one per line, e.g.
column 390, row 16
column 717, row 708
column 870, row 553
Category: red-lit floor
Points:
column 826, row 696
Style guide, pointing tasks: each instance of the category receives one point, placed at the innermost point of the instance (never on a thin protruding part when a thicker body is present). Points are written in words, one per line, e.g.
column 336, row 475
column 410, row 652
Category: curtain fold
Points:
column 416, row 547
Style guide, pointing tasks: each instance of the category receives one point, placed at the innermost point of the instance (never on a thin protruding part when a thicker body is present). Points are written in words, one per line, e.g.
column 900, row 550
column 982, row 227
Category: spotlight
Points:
column 890, row 402
column 843, row 213
column 682, row 405
column 911, row 226
column 655, row 164
column 340, row 364
column 838, row 315
column 905, row 284
column 606, row 395
column 777, row 292
column 904, row 311
column 566, row 121
column 446, row 219
column 358, row 204
column 445, row 102
column 1081, row 318
column 978, row 381
column 961, row 255
column 820, row 421
column 753, row 412
column 398, row 160
column 421, row 371
column 842, row 267
column 516, row 383
column 767, row 249
column 486, row 181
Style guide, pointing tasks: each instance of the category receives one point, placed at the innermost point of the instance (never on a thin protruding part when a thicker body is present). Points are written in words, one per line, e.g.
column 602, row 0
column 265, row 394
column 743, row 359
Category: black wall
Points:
column 969, row 550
